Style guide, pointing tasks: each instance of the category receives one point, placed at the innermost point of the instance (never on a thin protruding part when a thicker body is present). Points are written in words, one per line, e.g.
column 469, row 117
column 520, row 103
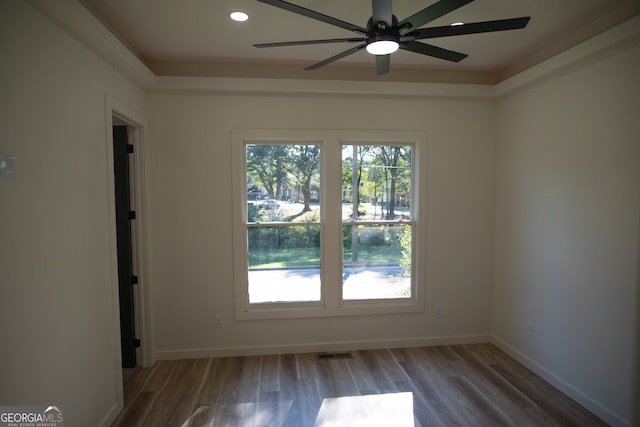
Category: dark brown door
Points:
column 124, row 216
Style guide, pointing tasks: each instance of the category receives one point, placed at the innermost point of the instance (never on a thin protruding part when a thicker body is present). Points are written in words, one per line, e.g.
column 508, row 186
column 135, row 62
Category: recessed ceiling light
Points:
column 456, row 24
column 239, row 16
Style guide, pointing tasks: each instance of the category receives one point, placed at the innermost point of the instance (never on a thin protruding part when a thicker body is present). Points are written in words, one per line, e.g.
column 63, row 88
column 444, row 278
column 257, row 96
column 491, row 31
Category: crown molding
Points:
column 324, row 88
column 614, row 40
column 339, row 71
column 77, row 21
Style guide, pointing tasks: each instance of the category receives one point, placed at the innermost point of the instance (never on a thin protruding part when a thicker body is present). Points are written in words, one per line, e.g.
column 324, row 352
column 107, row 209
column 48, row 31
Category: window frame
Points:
column 331, row 222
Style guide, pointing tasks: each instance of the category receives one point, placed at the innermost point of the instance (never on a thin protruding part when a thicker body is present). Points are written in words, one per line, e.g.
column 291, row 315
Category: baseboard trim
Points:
column 111, row 415
column 319, row 347
column 575, row 394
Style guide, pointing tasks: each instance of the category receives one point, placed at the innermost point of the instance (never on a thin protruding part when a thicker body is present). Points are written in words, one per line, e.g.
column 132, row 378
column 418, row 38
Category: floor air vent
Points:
column 329, row 356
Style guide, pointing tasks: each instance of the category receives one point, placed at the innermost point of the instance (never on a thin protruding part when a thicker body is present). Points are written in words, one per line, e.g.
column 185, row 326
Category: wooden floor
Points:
column 459, row 385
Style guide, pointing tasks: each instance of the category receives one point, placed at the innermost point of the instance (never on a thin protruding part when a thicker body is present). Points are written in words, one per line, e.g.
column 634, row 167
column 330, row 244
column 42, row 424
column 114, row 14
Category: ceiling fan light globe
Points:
column 238, row 16
column 382, row 47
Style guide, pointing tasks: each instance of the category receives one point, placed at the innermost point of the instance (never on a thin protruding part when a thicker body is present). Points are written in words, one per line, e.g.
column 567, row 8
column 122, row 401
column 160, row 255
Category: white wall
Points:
column 191, row 236
column 566, row 240
column 567, row 229
column 56, row 314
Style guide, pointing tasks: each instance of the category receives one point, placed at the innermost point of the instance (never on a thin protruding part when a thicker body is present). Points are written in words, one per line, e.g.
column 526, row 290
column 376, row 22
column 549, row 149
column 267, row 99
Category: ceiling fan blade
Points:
column 437, row 52
column 315, row 15
column 473, row 28
column 432, row 12
column 383, row 64
column 304, row 42
column 336, row 57
column 382, row 11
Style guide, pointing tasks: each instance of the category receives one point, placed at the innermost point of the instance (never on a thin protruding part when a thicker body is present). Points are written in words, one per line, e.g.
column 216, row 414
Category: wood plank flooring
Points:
column 458, row 385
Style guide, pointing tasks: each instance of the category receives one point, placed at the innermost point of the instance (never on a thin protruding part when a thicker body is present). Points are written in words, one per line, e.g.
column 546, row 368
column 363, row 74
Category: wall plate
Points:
column 7, row 167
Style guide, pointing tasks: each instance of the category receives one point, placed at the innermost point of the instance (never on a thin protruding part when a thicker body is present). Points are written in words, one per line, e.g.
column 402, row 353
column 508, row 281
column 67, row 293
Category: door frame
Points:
column 122, row 114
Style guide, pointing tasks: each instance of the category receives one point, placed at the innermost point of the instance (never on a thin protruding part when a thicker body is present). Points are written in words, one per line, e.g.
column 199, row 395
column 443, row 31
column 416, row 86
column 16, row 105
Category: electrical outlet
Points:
column 217, row 321
column 530, row 329
column 439, row 311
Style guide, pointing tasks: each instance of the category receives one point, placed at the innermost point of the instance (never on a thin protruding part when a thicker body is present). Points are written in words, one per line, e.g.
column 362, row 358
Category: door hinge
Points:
column 136, row 343
column 134, row 280
column 130, row 148
column 132, row 214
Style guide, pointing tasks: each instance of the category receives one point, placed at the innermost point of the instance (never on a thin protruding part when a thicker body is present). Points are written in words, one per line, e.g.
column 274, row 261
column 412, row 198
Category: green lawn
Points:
column 300, row 257
column 297, row 257
column 375, row 254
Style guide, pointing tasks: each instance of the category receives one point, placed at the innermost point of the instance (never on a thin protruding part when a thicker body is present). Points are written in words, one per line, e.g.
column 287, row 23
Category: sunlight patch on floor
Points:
column 390, row 409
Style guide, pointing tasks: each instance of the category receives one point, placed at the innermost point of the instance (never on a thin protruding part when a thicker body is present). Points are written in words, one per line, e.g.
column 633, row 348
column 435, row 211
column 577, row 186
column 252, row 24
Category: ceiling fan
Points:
column 384, row 34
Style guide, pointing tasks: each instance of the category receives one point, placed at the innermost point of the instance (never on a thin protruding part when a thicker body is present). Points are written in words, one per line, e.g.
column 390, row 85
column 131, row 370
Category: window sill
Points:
column 348, row 308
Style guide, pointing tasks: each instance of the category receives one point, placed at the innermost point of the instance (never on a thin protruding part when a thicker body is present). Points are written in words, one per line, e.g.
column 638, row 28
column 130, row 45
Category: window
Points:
column 326, row 222
column 283, row 222
column 376, row 225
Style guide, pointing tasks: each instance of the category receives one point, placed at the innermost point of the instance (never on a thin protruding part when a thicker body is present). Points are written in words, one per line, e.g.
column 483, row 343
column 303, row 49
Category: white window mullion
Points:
column 332, row 239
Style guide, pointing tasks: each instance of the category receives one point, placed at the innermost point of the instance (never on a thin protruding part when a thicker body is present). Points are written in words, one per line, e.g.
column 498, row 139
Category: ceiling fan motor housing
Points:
column 381, row 31
column 384, row 36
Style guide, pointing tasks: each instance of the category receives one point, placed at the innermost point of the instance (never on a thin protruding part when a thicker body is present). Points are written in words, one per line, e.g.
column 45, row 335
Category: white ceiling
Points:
column 197, row 37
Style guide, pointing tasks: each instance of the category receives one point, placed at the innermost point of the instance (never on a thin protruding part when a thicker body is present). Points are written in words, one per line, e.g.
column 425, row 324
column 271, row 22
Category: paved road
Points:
column 303, row 284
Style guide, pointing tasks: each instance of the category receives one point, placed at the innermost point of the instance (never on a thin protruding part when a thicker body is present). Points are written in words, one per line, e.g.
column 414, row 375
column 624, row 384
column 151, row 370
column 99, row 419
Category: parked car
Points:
column 268, row 204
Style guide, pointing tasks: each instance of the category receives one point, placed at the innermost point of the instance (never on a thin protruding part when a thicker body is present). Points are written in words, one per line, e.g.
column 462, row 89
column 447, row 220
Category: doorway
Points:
column 125, row 223
column 130, row 284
